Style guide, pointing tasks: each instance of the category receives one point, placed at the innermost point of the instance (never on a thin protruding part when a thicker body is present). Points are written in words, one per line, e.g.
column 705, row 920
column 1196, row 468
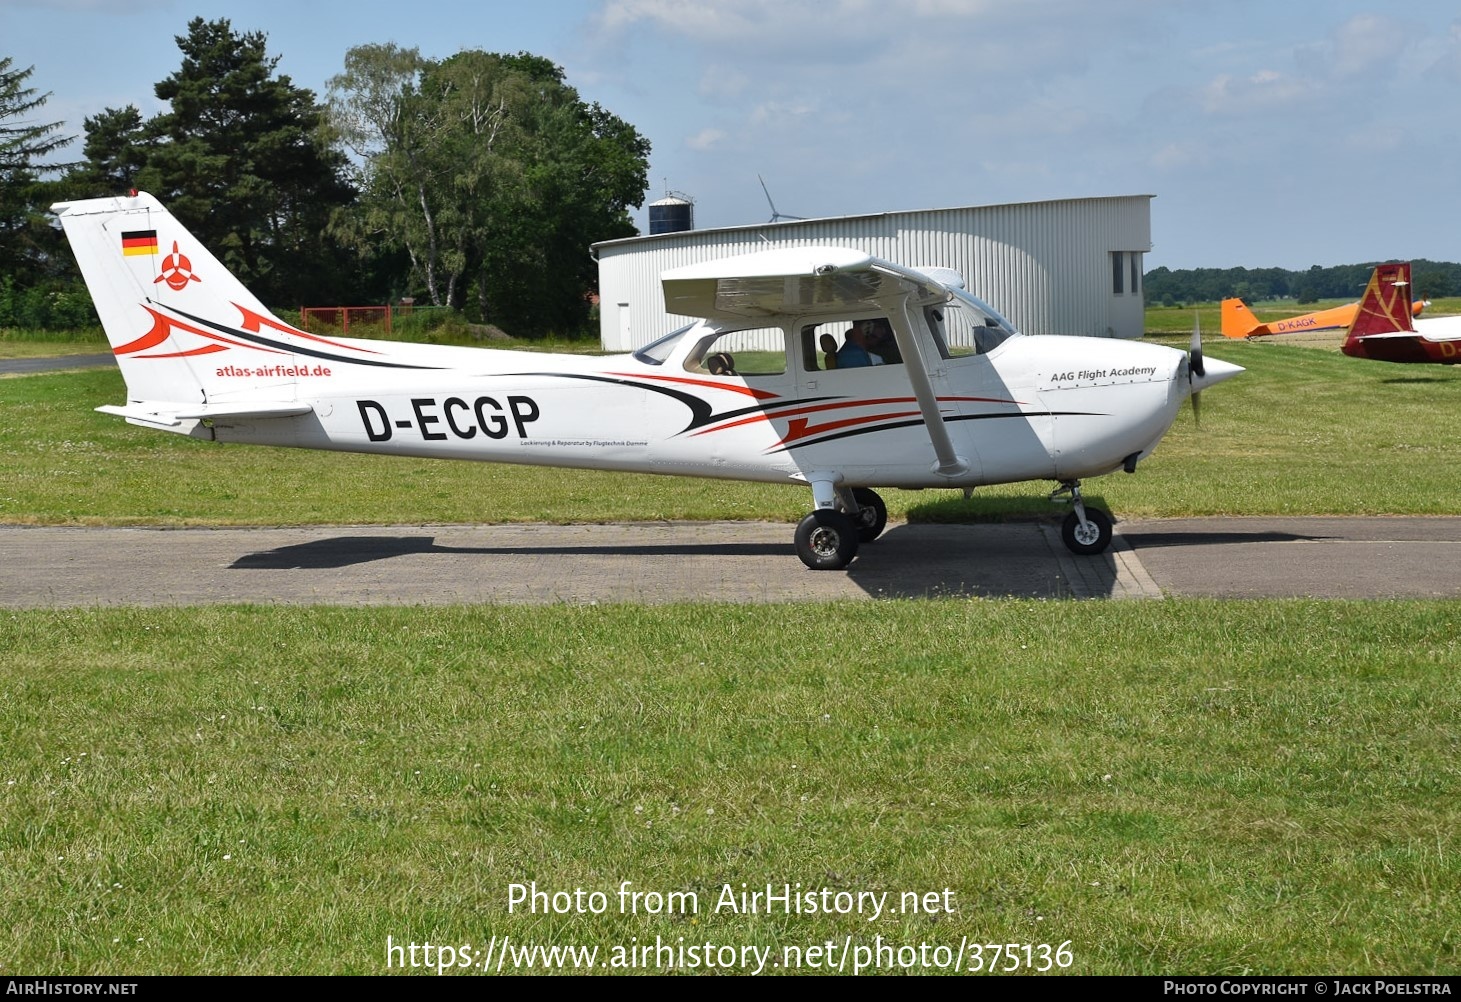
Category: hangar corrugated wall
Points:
column 1071, row 266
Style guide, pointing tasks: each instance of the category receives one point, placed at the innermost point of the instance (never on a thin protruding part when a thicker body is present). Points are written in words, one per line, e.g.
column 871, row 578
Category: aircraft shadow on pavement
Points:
column 1153, row 540
column 901, row 564
column 348, row 551
column 963, row 563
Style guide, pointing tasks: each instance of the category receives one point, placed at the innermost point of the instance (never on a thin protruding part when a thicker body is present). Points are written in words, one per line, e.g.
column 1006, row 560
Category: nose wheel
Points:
column 1090, row 537
column 1085, row 531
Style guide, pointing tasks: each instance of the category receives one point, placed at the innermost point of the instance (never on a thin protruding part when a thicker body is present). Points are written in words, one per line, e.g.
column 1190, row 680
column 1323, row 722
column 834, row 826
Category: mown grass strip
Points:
column 1302, row 432
column 1188, row 786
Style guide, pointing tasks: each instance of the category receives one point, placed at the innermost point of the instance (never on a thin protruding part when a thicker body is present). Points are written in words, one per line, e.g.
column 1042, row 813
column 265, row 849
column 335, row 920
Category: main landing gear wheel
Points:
column 1088, row 539
column 872, row 514
column 826, row 540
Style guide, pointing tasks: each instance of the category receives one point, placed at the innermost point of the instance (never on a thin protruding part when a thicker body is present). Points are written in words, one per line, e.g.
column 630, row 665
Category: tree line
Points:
column 475, row 182
column 1432, row 280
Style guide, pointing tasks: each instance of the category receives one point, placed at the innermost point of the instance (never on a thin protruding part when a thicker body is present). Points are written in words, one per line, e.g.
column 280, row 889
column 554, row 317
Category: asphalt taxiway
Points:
column 53, row 363
column 67, row 566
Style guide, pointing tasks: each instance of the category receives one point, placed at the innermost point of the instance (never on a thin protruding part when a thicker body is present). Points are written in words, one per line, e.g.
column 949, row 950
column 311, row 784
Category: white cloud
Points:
column 781, row 114
column 984, row 33
column 706, row 140
column 718, row 21
column 1376, row 139
column 91, row 6
column 1263, row 91
column 1180, row 155
column 1448, row 66
column 1365, row 48
column 723, row 81
column 1366, row 45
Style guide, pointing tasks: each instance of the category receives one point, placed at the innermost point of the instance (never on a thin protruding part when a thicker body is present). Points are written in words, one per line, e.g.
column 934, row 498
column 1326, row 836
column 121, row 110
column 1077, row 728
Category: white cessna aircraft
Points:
column 772, row 383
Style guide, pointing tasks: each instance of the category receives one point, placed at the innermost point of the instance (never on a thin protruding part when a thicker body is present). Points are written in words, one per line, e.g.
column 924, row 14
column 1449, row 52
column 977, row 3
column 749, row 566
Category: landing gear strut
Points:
column 866, row 509
column 1086, row 531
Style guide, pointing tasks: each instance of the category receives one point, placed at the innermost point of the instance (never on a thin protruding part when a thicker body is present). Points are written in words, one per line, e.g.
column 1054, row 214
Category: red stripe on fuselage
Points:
column 252, row 322
column 799, row 428
column 734, row 388
column 843, row 404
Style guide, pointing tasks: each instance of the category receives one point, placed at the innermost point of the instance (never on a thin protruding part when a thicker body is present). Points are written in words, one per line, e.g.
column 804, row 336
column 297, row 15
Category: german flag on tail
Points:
column 139, row 242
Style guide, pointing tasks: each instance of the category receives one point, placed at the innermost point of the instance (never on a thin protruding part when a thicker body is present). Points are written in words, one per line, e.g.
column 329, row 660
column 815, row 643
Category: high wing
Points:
column 815, row 281
column 823, row 281
column 800, row 281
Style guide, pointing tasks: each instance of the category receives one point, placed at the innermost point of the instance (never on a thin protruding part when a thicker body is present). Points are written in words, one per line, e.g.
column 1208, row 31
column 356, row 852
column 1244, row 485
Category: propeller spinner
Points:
column 1204, row 372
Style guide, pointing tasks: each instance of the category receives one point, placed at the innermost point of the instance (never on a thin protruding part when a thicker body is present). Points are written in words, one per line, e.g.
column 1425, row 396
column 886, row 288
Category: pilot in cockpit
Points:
column 855, row 352
column 882, row 343
column 869, row 342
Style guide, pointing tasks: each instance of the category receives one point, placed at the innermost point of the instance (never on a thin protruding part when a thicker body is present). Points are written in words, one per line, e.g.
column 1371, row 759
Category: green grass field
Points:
column 1303, row 431
column 1176, row 787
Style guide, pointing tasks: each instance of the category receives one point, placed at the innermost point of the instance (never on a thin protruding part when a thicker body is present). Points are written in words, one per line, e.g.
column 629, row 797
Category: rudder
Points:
column 1385, row 307
column 166, row 303
column 1238, row 320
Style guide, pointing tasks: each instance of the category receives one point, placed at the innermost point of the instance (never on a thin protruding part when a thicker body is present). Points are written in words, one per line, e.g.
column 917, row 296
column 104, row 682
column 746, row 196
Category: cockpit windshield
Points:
column 657, row 351
column 988, row 327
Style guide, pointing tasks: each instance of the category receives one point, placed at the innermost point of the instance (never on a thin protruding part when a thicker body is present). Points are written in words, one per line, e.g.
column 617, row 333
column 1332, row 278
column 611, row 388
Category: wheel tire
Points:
column 826, row 540
column 1093, row 539
column 872, row 515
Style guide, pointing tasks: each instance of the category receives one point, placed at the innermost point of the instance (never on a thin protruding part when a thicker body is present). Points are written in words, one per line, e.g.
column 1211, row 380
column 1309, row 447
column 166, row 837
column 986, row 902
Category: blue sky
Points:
column 1272, row 133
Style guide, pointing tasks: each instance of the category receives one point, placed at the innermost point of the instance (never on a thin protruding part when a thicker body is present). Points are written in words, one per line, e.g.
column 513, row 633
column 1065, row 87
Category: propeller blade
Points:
column 1195, row 368
column 1194, row 353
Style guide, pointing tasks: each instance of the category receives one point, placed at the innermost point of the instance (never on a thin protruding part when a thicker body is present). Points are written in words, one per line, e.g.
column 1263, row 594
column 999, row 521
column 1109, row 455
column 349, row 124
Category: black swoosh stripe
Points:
column 701, row 412
column 296, row 349
column 853, row 432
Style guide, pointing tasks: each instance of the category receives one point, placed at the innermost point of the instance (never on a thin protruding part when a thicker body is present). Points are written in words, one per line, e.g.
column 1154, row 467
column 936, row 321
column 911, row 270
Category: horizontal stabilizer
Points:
column 170, row 415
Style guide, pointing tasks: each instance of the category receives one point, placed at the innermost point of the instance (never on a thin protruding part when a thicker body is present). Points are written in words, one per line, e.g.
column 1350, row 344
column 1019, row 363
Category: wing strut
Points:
column 950, row 463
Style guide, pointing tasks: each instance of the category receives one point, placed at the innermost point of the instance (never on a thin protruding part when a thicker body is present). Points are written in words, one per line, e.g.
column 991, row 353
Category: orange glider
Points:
column 1239, row 321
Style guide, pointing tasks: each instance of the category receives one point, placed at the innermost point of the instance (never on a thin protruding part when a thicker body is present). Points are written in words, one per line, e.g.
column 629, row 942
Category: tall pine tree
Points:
column 244, row 161
column 28, row 248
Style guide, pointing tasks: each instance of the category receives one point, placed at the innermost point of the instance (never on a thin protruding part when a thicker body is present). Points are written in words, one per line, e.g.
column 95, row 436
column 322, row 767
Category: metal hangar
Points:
column 1070, row 266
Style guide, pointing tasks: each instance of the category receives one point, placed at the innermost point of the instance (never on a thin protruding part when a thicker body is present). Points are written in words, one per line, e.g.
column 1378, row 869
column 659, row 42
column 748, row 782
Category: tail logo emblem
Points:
column 177, row 271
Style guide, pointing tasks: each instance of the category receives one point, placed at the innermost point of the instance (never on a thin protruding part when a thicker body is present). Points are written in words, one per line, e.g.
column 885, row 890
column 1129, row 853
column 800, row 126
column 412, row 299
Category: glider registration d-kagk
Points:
column 772, row 383
column 1239, row 321
column 1384, row 330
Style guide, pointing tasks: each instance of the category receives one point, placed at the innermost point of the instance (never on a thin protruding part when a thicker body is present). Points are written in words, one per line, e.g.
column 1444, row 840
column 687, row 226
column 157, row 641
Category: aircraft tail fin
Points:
column 190, row 340
column 1238, row 320
column 1385, row 307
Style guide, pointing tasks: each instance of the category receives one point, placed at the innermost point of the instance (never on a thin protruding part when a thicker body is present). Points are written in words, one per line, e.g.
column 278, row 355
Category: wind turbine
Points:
column 776, row 217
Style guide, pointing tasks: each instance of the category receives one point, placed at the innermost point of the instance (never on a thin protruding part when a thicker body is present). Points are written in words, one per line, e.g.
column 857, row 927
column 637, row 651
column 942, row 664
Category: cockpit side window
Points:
column 759, row 351
column 658, row 350
column 849, row 344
